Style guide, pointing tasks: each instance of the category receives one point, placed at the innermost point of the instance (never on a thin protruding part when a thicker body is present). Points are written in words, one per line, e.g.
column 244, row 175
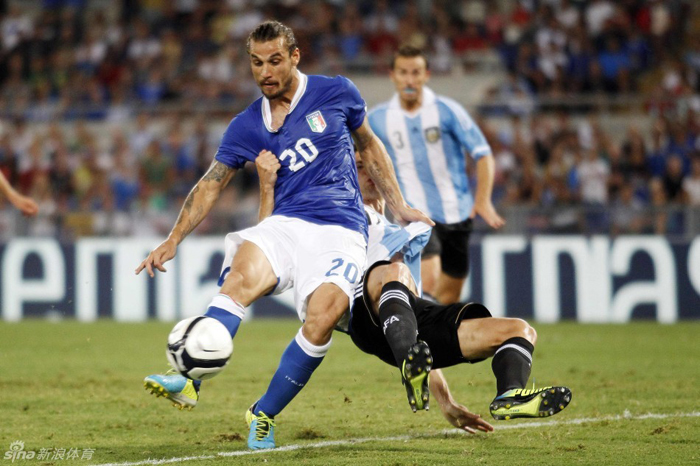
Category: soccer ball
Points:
column 199, row 347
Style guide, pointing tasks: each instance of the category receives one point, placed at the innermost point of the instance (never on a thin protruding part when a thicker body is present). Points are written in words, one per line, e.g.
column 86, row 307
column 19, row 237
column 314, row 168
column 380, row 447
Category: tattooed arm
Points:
column 378, row 164
column 197, row 205
column 201, row 199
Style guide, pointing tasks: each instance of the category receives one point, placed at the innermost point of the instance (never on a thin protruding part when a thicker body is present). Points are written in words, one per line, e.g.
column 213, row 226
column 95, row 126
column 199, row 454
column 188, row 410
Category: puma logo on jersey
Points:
column 390, row 321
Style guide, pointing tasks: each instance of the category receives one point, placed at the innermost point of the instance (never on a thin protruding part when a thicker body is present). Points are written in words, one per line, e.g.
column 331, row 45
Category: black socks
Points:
column 512, row 363
column 397, row 319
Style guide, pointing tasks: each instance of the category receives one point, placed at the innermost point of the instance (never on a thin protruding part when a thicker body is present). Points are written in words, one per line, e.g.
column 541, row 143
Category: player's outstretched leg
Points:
column 415, row 373
column 511, row 365
column 183, row 392
column 227, row 311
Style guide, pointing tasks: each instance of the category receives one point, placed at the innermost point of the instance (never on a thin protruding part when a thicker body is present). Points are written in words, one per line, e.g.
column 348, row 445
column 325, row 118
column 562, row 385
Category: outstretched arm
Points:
column 483, row 206
column 455, row 413
column 199, row 202
column 378, row 164
column 25, row 204
column 267, row 165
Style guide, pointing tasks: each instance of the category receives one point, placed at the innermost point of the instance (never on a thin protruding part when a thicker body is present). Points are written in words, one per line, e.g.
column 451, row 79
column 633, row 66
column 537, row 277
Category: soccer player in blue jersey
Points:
column 388, row 319
column 427, row 136
column 315, row 241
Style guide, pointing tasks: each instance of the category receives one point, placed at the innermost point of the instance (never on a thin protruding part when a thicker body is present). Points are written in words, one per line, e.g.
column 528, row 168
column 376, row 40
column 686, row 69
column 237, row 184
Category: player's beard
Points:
column 282, row 90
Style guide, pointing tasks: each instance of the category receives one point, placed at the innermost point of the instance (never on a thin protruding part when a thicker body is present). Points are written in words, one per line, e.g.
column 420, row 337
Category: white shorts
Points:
column 304, row 255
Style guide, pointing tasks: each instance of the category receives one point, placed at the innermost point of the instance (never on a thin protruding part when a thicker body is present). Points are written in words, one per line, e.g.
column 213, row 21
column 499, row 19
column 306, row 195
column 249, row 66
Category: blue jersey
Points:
column 318, row 178
column 427, row 148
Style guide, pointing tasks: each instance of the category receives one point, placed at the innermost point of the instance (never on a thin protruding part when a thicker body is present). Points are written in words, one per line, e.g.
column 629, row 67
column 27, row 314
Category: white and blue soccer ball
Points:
column 199, row 347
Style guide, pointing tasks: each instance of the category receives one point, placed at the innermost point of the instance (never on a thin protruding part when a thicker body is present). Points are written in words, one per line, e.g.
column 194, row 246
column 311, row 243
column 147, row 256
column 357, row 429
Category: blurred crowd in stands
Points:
column 131, row 181
column 543, row 163
column 624, row 184
column 62, row 62
column 65, row 59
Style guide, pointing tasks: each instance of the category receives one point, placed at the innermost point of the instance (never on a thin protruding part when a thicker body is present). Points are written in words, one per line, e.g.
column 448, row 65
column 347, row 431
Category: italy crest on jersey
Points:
column 316, row 122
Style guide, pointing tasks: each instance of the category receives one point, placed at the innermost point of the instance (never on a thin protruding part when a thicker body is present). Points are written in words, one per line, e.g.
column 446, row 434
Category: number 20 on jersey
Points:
column 304, row 148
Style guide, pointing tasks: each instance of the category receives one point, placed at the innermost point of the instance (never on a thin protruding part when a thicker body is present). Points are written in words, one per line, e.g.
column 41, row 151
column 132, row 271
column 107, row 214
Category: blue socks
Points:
column 227, row 311
column 298, row 362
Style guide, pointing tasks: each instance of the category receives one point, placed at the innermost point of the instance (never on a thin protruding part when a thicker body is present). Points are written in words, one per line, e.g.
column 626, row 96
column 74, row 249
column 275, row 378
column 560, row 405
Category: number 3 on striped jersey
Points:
column 303, row 145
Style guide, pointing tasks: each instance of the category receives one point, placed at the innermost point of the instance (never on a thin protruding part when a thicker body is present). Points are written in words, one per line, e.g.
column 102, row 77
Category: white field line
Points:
column 400, row 438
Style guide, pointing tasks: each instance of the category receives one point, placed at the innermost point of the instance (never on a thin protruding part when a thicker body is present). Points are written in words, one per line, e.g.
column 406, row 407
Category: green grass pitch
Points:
column 71, row 385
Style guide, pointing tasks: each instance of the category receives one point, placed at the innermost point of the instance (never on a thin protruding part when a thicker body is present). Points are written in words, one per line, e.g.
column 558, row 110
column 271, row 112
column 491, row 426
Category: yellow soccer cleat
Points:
column 415, row 375
column 538, row 402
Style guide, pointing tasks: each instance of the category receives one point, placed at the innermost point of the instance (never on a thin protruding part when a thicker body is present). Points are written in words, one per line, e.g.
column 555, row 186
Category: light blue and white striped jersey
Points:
column 427, row 148
column 387, row 239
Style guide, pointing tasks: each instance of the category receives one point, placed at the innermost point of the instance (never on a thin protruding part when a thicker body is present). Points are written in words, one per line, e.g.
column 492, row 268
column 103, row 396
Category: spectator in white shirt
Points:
column 691, row 184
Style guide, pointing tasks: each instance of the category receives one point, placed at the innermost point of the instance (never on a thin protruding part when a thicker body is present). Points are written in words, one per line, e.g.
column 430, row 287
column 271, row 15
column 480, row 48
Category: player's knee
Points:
column 531, row 334
column 240, row 287
column 234, row 278
column 520, row 328
column 322, row 314
column 500, row 330
column 318, row 330
column 396, row 272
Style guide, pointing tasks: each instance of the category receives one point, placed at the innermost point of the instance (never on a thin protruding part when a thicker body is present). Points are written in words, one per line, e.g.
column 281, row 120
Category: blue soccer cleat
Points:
column 262, row 430
column 183, row 392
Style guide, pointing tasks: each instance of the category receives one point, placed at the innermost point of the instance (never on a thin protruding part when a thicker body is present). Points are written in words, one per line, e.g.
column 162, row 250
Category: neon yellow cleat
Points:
column 415, row 374
column 538, row 402
column 183, row 392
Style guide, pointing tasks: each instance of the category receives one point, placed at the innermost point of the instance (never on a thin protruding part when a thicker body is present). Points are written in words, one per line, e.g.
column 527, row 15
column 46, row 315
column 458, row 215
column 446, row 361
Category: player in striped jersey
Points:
column 426, row 136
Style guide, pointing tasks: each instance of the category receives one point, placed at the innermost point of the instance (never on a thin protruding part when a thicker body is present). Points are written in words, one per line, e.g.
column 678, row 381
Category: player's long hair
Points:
column 270, row 30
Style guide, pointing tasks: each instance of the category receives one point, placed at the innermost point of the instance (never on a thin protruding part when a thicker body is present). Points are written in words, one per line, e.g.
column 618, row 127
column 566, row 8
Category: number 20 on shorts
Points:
column 350, row 272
